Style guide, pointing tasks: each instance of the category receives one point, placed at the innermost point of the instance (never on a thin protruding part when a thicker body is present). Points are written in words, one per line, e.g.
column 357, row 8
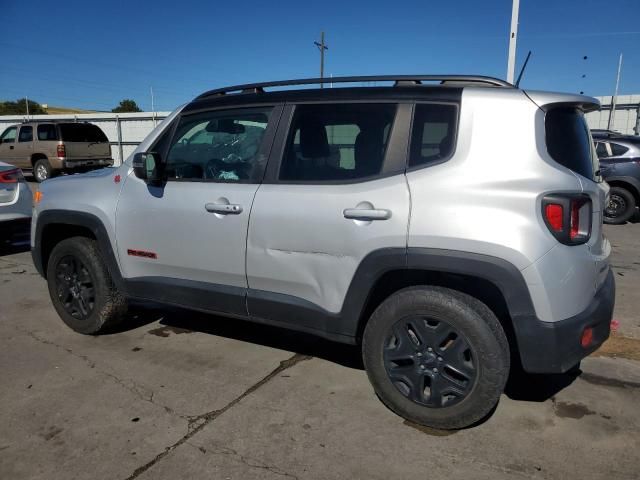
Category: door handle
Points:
column 367, row 214
column 223, row 208
column 11, row 147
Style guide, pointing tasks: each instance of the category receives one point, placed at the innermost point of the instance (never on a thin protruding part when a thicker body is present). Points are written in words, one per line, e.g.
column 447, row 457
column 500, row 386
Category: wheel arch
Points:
column 37, row 156
column 628, row 183
column 53, row 226
column 494, row 281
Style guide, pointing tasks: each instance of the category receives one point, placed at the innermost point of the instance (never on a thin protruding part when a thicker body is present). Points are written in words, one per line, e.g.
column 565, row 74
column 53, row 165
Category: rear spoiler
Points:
column 547, row 100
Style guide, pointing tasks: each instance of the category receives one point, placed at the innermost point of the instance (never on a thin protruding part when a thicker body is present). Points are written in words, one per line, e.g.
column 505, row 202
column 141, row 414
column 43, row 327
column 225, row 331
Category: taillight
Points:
column 61, row 150
column 568, row 217
column 11, row 176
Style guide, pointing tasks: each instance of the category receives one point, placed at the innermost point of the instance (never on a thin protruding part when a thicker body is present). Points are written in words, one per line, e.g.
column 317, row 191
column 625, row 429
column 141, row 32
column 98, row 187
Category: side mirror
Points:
column 148, row 166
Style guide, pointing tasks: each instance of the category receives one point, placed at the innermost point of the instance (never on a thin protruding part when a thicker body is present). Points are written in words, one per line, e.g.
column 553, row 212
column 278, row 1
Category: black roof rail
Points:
column 399, row 80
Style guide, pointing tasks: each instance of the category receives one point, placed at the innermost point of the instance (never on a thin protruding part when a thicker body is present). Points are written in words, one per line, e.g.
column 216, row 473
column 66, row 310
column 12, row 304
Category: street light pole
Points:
column 322, row 47
column 513, row 37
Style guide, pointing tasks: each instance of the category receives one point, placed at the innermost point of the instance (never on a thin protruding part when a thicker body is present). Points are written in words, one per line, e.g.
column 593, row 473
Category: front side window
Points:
column 26, row 134
column 434, row 133
column 219, row 146
column 47, row 132
column 9, row 135
column 337, row 142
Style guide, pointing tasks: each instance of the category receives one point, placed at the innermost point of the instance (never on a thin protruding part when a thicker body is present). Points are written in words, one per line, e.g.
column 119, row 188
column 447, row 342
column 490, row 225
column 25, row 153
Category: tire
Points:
column 464, row 355
column 81, row 287
column 42, row 170
column 625, row 206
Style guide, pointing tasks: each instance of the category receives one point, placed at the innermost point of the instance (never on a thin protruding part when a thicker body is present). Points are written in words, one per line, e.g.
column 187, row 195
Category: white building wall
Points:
column 625, row 119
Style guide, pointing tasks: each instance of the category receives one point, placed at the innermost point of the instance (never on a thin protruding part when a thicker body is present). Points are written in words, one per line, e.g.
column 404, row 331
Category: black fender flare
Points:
column 79, row 219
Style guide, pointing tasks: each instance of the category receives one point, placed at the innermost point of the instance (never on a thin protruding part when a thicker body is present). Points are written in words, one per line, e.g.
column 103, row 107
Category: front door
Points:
column 185, row 242
column 8, row 145
column 24, row 147
column 338, row 195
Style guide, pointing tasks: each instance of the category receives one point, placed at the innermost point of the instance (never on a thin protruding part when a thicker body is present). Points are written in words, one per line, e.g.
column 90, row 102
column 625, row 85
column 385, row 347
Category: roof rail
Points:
column 400, row 80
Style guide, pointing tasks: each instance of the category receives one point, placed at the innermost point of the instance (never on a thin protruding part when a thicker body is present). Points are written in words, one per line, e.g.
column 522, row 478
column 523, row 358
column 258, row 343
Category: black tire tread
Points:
column 494, row 380
column 111, row 306
column 628, row 213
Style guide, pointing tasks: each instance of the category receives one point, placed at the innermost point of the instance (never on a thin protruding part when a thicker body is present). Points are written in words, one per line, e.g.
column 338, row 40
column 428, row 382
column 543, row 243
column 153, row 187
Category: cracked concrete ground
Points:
column 185, row 395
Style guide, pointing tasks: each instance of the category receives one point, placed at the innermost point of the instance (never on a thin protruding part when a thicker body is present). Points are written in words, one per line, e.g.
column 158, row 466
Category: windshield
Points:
column 82, row 132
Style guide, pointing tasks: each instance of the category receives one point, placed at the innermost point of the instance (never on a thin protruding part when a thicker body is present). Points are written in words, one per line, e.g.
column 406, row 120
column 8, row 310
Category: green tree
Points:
column 19, row 107
column 127, row 105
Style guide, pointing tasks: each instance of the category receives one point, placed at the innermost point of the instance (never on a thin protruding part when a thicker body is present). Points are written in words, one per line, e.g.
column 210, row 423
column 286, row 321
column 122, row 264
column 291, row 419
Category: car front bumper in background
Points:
column 555, row 347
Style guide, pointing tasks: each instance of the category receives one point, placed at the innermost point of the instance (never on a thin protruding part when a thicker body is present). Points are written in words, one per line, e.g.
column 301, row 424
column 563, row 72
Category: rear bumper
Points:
column 554, row 347
column 87, row 163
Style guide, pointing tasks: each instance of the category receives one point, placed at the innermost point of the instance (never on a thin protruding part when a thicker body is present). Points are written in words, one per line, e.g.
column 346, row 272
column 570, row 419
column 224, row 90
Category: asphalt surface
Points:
column 177, row 394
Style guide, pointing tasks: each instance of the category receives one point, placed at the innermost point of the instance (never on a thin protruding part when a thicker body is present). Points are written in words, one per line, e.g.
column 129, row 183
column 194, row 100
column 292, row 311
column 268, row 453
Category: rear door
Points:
column 24, row 147
column 84, row 141
column 8, row 145
column 336, row 193
column 185, row 242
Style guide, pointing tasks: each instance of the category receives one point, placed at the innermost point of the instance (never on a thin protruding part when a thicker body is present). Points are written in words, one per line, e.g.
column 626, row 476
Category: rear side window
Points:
column 569, row 142
column 47, row 132
column 433, row 135
column 337, row 142
column 601, row 150
column 26, row 134
column 82, row 132
column 618, row 150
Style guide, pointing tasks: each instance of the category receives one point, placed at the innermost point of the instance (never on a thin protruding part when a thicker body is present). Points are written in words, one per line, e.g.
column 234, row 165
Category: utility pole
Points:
column 26, row 102
column 153, row 108
column 322, row 47
column 513, row 37
column 614, row 99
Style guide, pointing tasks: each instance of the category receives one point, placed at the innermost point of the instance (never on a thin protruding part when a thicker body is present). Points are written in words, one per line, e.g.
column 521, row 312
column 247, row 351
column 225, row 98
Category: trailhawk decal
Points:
column 141, row 253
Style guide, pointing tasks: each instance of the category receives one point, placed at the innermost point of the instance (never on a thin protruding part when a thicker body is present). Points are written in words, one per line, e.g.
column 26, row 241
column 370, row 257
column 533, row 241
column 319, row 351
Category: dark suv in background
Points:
column 620, row 166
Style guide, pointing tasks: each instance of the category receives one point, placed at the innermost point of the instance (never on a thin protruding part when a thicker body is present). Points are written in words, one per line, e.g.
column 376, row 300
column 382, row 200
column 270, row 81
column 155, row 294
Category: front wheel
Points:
column 436, row 356
column 81, row 287
column 621, row 206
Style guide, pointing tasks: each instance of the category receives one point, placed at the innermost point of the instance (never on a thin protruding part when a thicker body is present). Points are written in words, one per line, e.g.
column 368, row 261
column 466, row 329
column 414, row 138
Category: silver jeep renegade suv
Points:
column 450, row 225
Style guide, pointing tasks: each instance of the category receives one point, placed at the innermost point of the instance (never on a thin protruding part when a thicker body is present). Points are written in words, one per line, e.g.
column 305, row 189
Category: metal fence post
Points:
column 119, row 130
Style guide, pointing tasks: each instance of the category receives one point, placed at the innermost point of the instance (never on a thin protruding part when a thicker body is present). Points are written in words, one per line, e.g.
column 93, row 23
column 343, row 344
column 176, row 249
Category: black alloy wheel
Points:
column 429, row 361
column 75, row 287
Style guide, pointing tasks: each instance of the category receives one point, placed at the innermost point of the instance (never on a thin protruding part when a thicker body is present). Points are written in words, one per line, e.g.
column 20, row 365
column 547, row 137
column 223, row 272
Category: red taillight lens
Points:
column 11, row 176
column 568, row 217
column 554, row 214
column 61, row 151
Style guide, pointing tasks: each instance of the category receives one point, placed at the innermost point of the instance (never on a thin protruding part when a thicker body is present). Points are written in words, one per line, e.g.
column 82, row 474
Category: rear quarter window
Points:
column 82, row 132
column 569, row 142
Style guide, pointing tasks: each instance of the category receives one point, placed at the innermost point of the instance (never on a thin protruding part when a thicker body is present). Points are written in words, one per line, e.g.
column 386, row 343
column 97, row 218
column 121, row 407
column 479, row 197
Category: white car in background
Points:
column 15, row 206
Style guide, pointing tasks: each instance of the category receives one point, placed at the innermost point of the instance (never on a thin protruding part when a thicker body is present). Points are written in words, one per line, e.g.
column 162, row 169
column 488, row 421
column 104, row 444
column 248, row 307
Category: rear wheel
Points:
column 621, row 206
column 42, row 170
column 81, row 287
column 436, row 356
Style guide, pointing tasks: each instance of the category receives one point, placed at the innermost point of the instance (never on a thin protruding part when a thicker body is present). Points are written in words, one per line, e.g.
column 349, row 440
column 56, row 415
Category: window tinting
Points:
column 47, row 131
column 9, row 135
column 569, row 141
column 618, row 150
column 433, row 135
column 219, row 146
column 26, row 134
column 337, row 142
column 82, row 132
column 601, row 150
